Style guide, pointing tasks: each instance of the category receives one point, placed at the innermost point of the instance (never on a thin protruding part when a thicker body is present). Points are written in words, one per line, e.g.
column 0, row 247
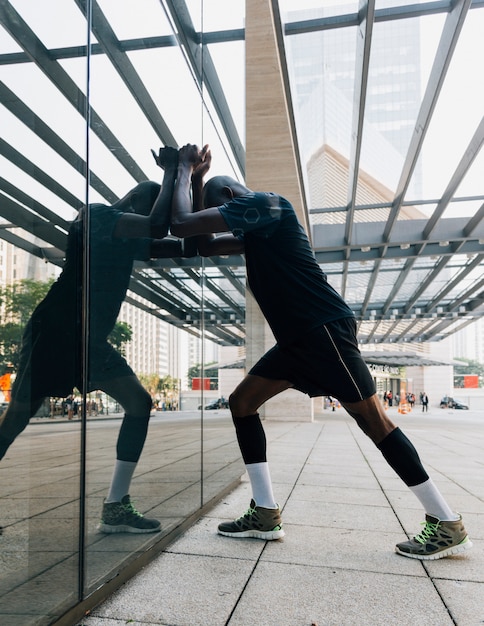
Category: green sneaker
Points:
column 257, row 522
column 122, row 517
column 437, row 540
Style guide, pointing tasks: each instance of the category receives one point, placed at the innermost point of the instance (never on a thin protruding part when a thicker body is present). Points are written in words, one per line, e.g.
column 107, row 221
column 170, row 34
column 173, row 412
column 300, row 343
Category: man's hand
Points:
column 166, row 157
column 201, row 170
column 190, row 155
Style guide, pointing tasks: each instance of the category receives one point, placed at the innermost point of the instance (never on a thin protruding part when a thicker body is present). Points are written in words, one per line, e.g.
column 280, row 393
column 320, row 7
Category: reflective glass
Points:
column 40, row 189
column 143, row 449
column 61, row 538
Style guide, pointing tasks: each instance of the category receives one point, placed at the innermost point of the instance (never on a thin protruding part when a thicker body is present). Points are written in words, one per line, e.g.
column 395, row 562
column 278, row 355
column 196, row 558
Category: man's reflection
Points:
column 135, row 227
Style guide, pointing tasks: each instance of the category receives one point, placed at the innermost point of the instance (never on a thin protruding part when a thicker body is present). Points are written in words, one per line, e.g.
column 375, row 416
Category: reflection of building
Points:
column 328, row 58
column 469, row 342
column 17, row 264
column 151, row 343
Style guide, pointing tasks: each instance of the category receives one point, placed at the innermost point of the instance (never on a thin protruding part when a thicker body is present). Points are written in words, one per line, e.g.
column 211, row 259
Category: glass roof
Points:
column 388, row 110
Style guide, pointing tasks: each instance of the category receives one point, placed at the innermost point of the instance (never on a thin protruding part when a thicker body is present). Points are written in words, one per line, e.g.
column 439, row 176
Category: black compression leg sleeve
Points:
column 251, row 438
column 402, row 456
column 131, row 438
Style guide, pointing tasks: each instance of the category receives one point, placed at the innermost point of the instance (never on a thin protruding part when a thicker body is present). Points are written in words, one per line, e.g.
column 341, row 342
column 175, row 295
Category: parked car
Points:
column 219, row 403
column 453, row 403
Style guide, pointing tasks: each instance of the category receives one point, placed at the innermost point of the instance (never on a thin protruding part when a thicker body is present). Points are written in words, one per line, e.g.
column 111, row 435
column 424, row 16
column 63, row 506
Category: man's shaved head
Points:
column 221, row 189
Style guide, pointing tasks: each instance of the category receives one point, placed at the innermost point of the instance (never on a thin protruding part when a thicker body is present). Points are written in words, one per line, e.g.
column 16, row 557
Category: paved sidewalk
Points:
column 343, row 511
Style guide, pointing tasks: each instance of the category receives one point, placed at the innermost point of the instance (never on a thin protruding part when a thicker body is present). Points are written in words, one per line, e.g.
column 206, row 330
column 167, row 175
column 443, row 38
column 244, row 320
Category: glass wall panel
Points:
column 138, row 95
column 224, row 363
column 133, row 324
column 42, row 151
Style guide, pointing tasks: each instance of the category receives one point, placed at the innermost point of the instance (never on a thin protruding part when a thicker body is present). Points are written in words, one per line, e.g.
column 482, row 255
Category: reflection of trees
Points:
column 119, row 336
column 468, row 367
column 169, row 388
column 207, row 370
column 150, row 382
column 161, row 388
column 17, row 302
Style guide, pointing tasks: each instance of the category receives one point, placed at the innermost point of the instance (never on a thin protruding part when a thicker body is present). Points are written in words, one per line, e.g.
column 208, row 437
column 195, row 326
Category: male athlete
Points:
column 51, row 353
column 316, row 350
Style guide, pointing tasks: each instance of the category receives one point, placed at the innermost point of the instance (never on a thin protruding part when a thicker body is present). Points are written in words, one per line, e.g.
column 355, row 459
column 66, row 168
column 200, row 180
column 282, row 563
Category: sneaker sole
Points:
column 107, row 528
column 267, row 535
column 458, row 549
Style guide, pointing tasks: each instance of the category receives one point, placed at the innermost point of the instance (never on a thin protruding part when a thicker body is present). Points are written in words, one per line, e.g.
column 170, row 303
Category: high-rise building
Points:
column 393, row 94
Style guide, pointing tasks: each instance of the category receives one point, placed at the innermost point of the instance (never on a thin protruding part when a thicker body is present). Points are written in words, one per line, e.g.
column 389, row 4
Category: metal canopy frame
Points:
column 171, row 289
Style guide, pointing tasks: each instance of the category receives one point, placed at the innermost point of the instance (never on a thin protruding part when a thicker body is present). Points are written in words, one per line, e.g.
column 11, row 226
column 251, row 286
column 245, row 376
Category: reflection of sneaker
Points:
column 437, row 539
column 257, row 522
column 122, row 517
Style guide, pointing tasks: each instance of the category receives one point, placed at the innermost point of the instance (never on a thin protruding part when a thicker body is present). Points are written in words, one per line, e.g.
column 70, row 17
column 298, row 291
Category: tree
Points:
column 208, row 372
column 150, row 382
column 17, row 302
column 168, row 387
column 468, row 366
column 120, row 336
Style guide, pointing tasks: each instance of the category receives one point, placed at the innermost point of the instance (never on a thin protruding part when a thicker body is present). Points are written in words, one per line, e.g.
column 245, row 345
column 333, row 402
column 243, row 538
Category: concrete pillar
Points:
column 270, row 166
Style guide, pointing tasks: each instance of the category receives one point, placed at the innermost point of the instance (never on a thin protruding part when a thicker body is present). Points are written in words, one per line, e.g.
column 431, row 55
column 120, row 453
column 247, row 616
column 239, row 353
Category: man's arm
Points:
column 185, row 222
column 170, row 248
column 156, row 223
column 208, row 244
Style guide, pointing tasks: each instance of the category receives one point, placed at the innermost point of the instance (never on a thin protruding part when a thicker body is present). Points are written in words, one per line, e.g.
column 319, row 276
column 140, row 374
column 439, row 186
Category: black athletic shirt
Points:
column 111, row 263
column 283, row 274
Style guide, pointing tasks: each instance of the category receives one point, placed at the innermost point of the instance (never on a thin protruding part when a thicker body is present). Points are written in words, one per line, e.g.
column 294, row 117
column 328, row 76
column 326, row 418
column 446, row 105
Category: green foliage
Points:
column 208, row 372
column 150, row 382
column 165, row 387
column 468, row 367
column 17, row 302
column 120, row 336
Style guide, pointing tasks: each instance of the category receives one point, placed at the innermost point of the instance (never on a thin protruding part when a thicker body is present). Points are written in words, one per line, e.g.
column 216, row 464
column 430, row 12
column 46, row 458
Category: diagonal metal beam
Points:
column 233, row 279
column 443, row 57
column 450, row 35
column 402, row 277
column 16, row 157
column 39, row 54
column 49, row 254
column 33, row 205
column 402, row 12
column 463, row 167
column 424, row 285
column 453, row 283
column 205, row 73
column 208, row 304
column 37, row 226
column 474, row 222
column 121, row 62
column 436, row 331
column 363, row 46
column 388, row 333
column 22, row 112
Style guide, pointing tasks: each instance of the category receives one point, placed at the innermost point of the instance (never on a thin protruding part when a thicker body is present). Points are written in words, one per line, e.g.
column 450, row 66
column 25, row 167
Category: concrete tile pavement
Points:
column 343, row 511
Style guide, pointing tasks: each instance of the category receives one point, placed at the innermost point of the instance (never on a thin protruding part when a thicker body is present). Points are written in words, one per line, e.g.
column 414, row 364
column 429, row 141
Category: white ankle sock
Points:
column 260, row 480
column 433, row 501
column 121, row 481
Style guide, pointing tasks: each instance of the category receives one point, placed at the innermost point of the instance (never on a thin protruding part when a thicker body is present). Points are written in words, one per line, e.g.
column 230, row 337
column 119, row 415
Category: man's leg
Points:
column 118, row 513
column 262, row 520
column 444, row 533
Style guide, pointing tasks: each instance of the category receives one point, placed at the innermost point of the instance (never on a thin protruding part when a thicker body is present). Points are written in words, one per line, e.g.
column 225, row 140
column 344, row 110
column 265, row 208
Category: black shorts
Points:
column 325, row 361
column 50, row 363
